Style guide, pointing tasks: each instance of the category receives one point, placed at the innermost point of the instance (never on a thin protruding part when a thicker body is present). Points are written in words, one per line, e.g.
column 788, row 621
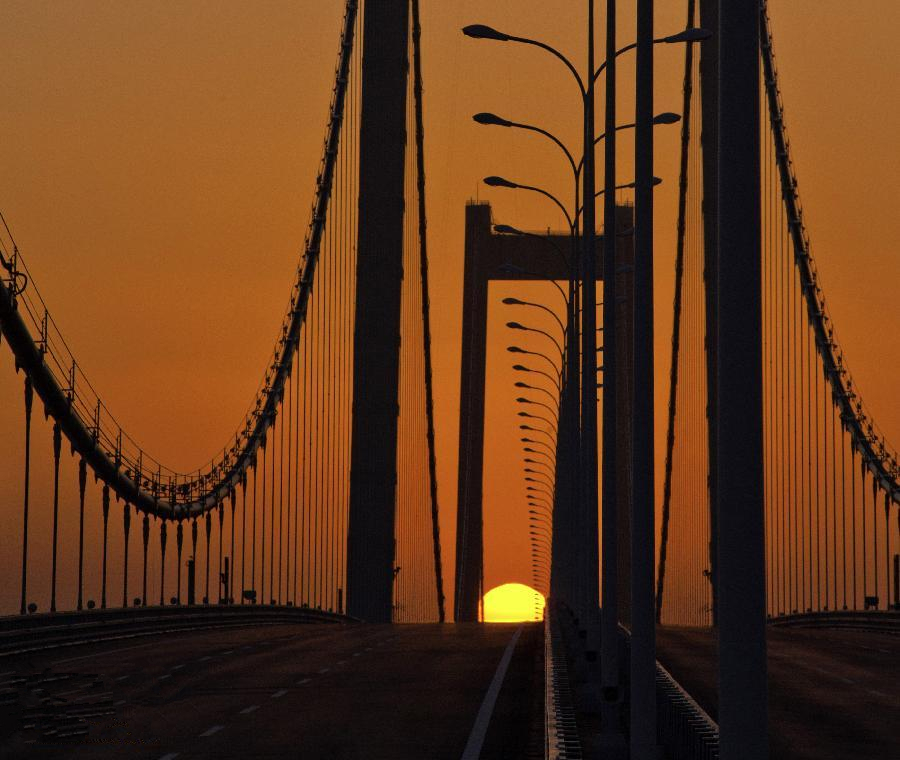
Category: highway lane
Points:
column 307, row 691
column 833, row 694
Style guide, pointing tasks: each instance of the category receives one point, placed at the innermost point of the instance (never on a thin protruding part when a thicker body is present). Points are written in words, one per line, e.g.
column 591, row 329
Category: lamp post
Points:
column 538, row 331
column 587, row 554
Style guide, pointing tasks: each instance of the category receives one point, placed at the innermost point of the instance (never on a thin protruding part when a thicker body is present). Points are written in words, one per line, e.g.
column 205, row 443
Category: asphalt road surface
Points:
column 285, row 691
column 833, row 694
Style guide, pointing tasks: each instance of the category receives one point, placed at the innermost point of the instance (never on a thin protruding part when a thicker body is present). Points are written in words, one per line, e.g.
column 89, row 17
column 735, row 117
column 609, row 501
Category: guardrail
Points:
column 33, row 633
column 560, row 729
column 883, row 621
column 682, row 726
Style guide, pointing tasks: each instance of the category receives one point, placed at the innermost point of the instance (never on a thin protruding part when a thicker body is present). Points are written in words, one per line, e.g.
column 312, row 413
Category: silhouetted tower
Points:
column 376, row 340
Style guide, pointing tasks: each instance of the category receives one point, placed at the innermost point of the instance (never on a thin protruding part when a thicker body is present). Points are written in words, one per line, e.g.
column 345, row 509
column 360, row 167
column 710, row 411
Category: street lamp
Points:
column 520, row 350
column 537, row 443
column 533, row 429
column 538, row 417
column 520, row 384
column 518, row 302
column 526, row 328
column 524, row 400
column 523, row 368
column 495, row 181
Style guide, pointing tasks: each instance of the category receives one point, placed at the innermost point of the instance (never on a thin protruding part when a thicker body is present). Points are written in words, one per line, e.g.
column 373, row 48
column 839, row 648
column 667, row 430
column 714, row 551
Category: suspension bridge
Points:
column 288, row 595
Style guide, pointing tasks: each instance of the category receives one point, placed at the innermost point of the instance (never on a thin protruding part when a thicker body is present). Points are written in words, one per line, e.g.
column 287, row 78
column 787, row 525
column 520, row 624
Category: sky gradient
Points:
column 157, row 162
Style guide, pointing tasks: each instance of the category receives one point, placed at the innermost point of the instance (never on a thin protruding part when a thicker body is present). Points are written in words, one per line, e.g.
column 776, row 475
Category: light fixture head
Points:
column 483, row 32
column 491, row 119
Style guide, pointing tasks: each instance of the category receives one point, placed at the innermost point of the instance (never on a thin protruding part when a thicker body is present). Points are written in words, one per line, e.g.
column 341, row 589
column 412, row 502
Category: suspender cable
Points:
column 57, row 445
column 29, row 396
column 82, row 482
column 687, row 96
column 105, row 503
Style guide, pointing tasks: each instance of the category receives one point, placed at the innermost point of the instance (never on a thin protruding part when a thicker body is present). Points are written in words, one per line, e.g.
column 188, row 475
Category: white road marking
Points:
column 204, row 659
column 342, row 662
column 121, row 678
column 324, row 670
column 356, row 654
column 279, row 693
column 248, row 710
column 120, row 702
column 483, row 719
column 211, row 731
column 170, row 756
column 877, row 693
column 167, row 675
column 178, row 667
column 300, row 683
column 845, row 680
column 230, row 651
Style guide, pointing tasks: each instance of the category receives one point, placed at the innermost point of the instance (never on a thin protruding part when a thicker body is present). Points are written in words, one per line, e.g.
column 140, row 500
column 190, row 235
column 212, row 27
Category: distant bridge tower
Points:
column 376, row 343
column 490, row 257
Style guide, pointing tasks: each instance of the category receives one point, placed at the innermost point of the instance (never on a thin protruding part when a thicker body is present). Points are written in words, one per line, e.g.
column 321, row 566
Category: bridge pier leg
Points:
column 376, row 338
column 741, row 536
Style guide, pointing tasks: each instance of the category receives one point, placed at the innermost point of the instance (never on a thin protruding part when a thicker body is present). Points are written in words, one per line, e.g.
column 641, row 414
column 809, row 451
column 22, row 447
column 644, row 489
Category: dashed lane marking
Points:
column 170, row 756
column 324, row 670
column 204, row 659
column 248, row 710
column 300, row 683
column 877, row 693
column 212, row 730
column 279, row 693
column 178, row 667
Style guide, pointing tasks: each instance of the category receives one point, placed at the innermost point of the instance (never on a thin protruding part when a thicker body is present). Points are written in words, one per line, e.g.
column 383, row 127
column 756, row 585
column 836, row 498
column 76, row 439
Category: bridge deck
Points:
column 284, row 691
column 833, row 694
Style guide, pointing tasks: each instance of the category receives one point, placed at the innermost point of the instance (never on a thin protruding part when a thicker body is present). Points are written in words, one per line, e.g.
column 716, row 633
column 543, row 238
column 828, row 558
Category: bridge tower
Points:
column 492, row 257
column 376, row 339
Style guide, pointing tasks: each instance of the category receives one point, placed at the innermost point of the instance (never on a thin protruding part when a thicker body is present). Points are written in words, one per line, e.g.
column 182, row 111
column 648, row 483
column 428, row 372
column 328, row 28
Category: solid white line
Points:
column 483, row 719
column 248, row 710
column 279, row 693
column 211, row 731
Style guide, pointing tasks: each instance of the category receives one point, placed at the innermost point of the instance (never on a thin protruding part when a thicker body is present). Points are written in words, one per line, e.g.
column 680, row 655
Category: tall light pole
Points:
column 642, row 663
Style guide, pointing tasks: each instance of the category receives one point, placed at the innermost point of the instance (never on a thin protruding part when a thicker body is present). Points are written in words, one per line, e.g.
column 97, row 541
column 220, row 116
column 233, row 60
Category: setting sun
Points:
column 513, row 603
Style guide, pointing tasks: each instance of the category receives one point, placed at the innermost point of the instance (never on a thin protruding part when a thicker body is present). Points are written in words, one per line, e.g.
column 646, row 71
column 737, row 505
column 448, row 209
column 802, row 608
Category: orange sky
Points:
column 157, row 163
